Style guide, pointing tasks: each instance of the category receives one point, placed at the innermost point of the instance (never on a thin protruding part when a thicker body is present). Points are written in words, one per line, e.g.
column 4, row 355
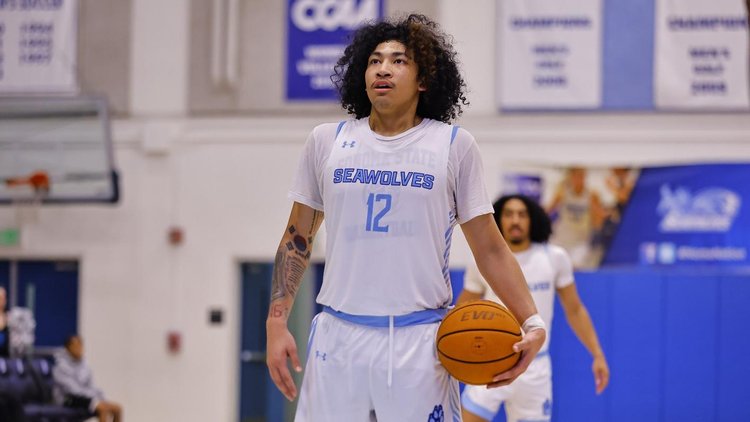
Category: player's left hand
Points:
column 528, row 347
column 601, row 373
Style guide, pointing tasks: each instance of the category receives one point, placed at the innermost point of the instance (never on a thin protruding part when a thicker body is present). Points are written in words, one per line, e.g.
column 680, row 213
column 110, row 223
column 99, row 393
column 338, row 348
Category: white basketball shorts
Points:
column 527, row 399
column 364, row 373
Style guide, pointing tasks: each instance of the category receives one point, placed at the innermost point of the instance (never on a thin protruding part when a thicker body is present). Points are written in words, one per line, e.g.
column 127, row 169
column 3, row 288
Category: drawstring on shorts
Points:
column 390, row 350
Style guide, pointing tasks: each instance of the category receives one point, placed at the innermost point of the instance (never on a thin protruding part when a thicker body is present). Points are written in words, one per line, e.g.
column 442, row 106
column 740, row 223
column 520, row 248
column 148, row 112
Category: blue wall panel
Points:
column 690, row 333
column 574, row 396
column 733, row 374
column 635, row 350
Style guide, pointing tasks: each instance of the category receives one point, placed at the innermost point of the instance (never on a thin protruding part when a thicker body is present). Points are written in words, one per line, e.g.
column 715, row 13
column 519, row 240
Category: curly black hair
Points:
column 540, row 226
column 433, row 53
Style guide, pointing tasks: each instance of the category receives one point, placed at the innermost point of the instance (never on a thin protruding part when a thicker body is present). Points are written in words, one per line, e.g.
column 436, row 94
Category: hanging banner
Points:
column 701, row 55
column 524, row 184
column 549, row 54
column 316, row 39
column 38, row 46
column 686, row 215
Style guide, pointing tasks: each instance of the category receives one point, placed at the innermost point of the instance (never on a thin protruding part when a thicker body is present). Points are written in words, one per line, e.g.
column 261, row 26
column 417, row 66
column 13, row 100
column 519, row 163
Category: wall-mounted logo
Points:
column 330, row 15
column 707, row 210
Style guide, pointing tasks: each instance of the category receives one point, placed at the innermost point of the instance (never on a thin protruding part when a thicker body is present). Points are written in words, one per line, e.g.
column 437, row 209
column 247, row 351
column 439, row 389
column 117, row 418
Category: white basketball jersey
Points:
column 390, row 206
column 546, row 267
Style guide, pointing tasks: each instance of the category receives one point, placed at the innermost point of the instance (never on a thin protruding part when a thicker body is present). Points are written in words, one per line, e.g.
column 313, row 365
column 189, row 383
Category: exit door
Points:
column 50, row 290
column 260, row 400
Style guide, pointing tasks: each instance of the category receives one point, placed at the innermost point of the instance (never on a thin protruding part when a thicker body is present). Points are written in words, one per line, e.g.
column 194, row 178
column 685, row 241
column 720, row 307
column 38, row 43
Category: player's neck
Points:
column 519, row 247
column 392, row 124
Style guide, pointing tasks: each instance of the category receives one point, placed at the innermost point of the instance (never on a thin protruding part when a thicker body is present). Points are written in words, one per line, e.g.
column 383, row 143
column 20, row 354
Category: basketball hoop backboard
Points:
column 56, row 150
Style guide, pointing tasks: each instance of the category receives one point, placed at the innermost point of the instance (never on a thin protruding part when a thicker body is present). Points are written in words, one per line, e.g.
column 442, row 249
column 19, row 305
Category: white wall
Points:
column 224, row 181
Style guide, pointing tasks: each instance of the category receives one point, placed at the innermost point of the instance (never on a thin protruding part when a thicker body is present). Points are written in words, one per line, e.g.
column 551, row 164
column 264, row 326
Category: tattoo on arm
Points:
column 317, row 215
column 287, row 275
column 289, row 267
column 278, row 310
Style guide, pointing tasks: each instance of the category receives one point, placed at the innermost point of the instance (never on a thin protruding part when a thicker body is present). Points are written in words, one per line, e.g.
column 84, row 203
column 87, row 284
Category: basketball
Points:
column 475, row 341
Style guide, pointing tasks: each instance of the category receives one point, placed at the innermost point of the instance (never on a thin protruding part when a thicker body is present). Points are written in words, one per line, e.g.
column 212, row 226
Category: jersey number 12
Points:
column 373, row 223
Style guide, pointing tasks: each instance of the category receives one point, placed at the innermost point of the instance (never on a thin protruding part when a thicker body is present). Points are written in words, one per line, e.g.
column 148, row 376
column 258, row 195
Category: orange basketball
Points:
column 475, row 341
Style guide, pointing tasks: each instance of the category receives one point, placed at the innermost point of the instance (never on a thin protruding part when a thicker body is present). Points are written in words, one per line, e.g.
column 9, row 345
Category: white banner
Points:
column 701, row 54
column 38, row 46
column 549, row 54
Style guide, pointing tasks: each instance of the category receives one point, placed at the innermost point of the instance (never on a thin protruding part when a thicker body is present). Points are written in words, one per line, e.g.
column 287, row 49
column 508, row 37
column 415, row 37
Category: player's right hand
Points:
column 280, row 345
column 528, row 347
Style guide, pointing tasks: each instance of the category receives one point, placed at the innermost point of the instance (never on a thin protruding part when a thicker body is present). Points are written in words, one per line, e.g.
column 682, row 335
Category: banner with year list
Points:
column 38, row 46
column 550, row 54
column 701, row 55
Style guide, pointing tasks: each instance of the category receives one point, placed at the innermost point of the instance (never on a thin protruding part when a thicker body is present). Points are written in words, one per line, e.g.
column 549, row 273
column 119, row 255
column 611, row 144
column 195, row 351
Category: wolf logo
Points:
column 437, row 414
column 708, row 210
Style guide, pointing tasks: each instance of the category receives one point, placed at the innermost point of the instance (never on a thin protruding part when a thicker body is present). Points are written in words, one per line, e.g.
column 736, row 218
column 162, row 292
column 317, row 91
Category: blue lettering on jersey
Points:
column 406, row 177
column 371, row 176
column 348, row 175
column 386, row 178
column 542, row 285
column 338, row 175
column 383, row 177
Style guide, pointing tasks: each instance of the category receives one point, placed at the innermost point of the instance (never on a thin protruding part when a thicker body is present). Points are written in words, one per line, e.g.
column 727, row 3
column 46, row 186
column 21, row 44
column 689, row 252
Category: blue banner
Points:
column 525, row 184
column 686, row 215
column 316, row 39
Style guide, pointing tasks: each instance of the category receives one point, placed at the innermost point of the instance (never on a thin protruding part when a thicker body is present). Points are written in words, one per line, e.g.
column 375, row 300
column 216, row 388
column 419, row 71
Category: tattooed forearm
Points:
column 289, row 267
column 287, row 275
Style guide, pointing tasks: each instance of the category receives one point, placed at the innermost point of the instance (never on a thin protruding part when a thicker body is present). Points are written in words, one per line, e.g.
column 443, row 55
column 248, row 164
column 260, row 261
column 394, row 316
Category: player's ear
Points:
column 422, row 86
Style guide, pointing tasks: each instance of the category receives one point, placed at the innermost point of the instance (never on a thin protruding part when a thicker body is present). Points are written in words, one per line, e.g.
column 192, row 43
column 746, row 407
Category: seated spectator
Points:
column 74, row 386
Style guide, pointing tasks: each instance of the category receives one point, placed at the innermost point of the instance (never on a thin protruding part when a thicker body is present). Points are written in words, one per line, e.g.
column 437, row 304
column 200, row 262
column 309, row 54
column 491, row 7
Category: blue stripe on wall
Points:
column 628, row 56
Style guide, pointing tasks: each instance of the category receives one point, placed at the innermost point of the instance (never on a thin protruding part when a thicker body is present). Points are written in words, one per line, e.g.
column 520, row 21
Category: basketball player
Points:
column 580, row 215
column 392, row 184
column 548, row 269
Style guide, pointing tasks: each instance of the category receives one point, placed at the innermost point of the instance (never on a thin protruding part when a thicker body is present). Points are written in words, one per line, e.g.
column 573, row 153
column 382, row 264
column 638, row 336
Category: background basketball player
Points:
column 579, row 215
column 526, row 228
